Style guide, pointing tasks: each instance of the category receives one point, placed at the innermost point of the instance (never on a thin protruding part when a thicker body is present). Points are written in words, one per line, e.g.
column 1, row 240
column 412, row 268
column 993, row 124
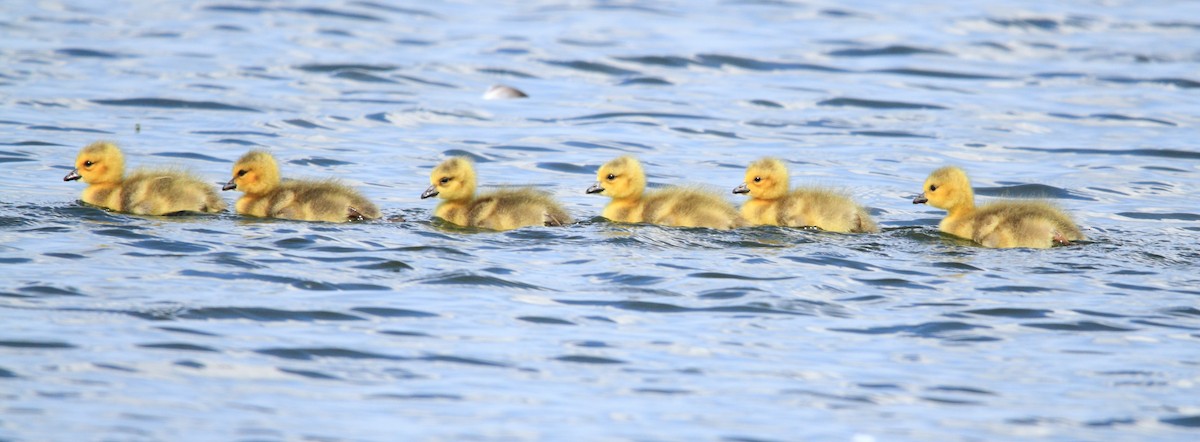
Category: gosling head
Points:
column 620, row 178
column 766, row 179
column 947, row 188
column 255, row 173
column 98, row 163
column 454, row 179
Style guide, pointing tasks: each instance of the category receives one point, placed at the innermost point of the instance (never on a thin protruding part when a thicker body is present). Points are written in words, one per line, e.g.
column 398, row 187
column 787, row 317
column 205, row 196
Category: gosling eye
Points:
column 611, row 177
column 758, row 179
column 932, row 187
column 444, row 180
column 88, row 163
column 242, row 172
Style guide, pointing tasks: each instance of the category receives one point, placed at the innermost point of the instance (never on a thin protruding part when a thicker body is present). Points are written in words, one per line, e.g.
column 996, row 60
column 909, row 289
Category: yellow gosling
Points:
column 773, row 204
column 145, row 191
column 257, row 175
column 1011, row 223
column 623, row 180
column 505, row 209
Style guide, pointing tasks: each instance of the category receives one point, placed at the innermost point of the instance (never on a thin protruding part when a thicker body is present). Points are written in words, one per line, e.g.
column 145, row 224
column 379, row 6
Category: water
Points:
column 119, row 327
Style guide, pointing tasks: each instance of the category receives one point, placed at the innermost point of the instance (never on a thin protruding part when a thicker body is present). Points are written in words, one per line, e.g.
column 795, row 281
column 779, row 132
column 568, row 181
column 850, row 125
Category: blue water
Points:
column 120, row 327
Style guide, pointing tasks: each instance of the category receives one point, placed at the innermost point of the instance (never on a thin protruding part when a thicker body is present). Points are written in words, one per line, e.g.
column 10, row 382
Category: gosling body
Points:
column 1001, row 224
column 623, row 180
column 144, row 191
column 454, row 181
column 772, row 203
column 266, row 195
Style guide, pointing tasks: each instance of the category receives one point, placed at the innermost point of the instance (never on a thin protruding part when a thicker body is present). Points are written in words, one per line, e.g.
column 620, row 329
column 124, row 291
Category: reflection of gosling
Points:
column 257, row 174
column 772, row 204
column 1032, row 223
column 504, row 209
column 144, row 192
column 624, row 181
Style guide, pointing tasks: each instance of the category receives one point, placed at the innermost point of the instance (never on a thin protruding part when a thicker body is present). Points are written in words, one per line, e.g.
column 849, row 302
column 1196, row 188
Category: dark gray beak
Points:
column 431, row 191
column 920, row 199
column 74, row 175
column 741, row 189
column 595, row 188
column 232, row 184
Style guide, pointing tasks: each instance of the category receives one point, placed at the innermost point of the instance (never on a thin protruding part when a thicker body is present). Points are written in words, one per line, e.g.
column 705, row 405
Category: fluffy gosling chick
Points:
column 257, row 175
column 772, row 204
column 505, row 209
column 145, row 191
column 623, row 180
column 1011, row 223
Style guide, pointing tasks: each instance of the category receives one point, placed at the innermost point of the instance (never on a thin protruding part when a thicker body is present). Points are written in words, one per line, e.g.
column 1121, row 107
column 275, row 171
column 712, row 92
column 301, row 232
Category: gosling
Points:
column 257, row 175
column 505, row 209
column 772, row 204
column 1003, row 224
column 623, row 180
column 145, row 191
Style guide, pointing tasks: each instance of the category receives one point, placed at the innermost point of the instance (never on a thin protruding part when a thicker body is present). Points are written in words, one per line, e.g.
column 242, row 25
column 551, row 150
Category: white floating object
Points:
column 502, row 92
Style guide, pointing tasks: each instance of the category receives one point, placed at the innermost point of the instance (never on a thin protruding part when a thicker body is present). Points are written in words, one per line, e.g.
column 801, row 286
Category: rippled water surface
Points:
column 122, row 327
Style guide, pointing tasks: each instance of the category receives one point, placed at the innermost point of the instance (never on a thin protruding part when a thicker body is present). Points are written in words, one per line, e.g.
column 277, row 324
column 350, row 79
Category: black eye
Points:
column 612, row 177
column 445, row 180
column 88, row 164
column 242, row 172
column 932, row 187
column 758, row 179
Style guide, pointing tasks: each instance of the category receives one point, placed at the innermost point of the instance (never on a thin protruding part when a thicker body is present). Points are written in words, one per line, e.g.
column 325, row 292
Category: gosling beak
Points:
column 595, row 188
column 232, row 184
column 74, row 175
column 741, row 189
column 920, row 199
column 431, row 191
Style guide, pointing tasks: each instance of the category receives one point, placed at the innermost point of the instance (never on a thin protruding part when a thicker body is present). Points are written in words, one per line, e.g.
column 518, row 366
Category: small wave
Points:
column 1182, row 421
column 545, row 320
column 645, row 81
column 417, row 396
column 1162, row 153
column 614, row 115
column 386, row 265
column 660, row 60
column 472, row 279
column 1010, row 312
column 304, row 124
column 719, row 61
column 477, row 158
column 505, row 72
column 169, row 103
column 940, row 74
column 362, row 77
column 321, row 67
column 190, row 156
column 766, row 103
column 294, row 282
column 396, row 9
column 928, row 329
column 659, row 307
column 591, row 66
column 1031, row 191
column 584, row 359
column 1116, row 117
column 876, row 104
column 1079, row 326
column 89, row 53
column 1181, row 83
column 69, row 129
column 235, row 132
column 166, row 245
column 36, row 344
column 258, row 314
column 318, row 161
column 885, row 51
column 311, row 374
column 310, row 353
column 387, row 312
column 179, row 346
column 334, row 13
column 568, row 168
column 888, row 134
